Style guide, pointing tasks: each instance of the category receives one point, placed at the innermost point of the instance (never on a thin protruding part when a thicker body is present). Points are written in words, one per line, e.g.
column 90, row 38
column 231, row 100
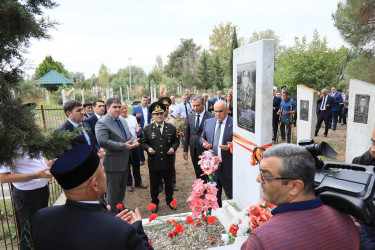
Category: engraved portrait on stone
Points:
column 246, row 90
column 304, row 110
column 361, row 108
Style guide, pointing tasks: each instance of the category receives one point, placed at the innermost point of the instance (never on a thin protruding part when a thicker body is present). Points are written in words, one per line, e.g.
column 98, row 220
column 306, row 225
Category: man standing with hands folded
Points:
column 114, row 136
column 160, row 141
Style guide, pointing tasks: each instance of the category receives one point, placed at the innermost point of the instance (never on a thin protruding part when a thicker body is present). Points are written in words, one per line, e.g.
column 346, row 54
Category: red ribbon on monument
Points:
column 256, row 157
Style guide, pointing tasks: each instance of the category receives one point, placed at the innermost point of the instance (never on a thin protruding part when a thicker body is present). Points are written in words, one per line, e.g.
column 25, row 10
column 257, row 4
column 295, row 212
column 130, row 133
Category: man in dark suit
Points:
column 83, row 223
column 143, row 119
column 218, row 97
column 193, row 131
column 160, row 141
column 324, row 105
column 208, row 105
column 98, row 107
column 217, row 135
column 114, row 136
column 335, row 108
column 74, row 111
column 275, row 116
column 87, row 107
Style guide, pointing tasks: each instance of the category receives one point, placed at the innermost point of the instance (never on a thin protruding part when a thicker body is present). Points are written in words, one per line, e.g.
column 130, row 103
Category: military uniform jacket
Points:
column 161, row 143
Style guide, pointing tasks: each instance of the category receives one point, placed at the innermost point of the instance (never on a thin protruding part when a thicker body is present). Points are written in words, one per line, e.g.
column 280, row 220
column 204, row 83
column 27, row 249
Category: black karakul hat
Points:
column 75, row 166
column 157, row 107
column 87, row 104
column 166, row 100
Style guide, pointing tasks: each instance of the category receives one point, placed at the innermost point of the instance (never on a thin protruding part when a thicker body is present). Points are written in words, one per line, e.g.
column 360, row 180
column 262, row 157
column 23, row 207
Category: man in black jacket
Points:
column 159, row 139
column 324, row 104
column 83, row 223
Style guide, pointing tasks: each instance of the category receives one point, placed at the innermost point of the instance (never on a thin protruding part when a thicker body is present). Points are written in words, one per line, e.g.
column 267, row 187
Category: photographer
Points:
column 367, row 231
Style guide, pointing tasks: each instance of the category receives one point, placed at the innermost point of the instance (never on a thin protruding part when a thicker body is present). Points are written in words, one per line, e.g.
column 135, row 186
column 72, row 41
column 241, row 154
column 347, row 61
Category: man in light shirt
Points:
column 184, row 110
column 173, row 109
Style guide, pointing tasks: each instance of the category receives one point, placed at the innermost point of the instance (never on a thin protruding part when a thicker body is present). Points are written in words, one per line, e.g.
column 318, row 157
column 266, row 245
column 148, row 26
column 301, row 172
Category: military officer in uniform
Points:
column 159, row 140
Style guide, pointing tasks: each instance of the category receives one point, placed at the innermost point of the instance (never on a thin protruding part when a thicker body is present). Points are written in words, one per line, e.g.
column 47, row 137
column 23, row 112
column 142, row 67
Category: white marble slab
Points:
column 306, row 112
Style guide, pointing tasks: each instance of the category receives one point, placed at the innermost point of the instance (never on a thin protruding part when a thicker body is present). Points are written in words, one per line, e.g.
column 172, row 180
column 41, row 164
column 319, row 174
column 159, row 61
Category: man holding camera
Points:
column 300, row 221
column 367, row 231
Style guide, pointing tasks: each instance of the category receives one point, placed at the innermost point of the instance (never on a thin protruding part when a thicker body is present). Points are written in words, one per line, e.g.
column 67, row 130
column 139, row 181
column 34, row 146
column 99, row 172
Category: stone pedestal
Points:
column 306, row 112
column 361, row 118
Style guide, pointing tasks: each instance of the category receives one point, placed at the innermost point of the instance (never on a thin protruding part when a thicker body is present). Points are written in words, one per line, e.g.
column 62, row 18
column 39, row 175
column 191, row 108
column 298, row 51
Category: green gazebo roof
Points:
column 54, row 78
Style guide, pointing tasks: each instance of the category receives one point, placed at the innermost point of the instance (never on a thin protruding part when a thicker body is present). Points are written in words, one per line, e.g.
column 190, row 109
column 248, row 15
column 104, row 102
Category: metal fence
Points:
column 49, row 118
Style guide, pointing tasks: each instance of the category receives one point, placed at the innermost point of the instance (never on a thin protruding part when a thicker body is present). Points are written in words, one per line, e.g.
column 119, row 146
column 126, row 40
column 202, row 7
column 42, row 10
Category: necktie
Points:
column 197, row 125
column 161, row 131
column 85, row 134
column 121, row 128
column 323, row 107
column 187, row 116
column 216, row 138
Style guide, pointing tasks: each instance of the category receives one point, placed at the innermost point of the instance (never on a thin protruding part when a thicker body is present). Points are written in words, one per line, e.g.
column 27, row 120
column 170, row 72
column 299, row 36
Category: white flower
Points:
column 225, row 238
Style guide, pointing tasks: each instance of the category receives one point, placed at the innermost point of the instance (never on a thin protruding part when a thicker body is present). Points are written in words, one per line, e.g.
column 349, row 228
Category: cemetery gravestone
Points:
column 361, row 118
column 306, row 112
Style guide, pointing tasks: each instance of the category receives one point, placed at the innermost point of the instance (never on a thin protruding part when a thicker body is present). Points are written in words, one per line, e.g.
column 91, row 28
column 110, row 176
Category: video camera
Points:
column 349, row 188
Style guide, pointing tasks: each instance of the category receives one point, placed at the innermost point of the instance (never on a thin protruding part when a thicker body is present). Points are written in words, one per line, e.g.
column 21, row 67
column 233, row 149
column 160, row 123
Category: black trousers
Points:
column 134, row 161
column 223, row 182
column 27, row 203
column 275, row 127
column 173, row 172
column 155, row 181
column 325, row 116
column 197, row 168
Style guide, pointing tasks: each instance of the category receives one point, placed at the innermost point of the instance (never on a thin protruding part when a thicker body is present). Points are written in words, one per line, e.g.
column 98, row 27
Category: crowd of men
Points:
column 96, row 173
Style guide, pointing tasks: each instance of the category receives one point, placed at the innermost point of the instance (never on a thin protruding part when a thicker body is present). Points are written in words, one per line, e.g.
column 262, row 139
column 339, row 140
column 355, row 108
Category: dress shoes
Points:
column 316, row 134
column 172, row 208
column 141, row 185
column 154, row 211
column 160, row 188
column 325, row 135
column 175, row 188
column 130, row 188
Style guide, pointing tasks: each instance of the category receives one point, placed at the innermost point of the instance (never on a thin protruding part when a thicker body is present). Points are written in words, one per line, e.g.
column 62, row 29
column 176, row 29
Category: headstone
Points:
column 253, row 67
column 111, row 92
column 121, row 94
column 63, row 96
column 306, row 112
column 83, row 96
column 47, row 97
column 107, row 93
column 361, row 118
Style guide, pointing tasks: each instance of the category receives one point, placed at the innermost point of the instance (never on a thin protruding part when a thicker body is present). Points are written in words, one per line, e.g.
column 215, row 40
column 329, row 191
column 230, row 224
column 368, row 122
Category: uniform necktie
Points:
column 121, row 128
column 161, row 131
column 197, row 125
column 187, row 116
column 216, row 138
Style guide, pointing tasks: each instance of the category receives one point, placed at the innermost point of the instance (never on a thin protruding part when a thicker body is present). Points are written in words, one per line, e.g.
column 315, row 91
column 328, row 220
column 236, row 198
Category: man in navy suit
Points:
column 335, row 108
column 193, row 131
column 143, row 119
column 208, row 105
column 74, row 111
column 324, row 105
column 98, row 107
column 217, row 135
column 82, row 222
column 275, row 116
column 218, row 97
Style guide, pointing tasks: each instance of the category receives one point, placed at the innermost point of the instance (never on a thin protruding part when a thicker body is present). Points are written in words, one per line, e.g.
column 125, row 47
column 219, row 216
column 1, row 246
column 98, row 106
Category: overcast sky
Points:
column 92, row 32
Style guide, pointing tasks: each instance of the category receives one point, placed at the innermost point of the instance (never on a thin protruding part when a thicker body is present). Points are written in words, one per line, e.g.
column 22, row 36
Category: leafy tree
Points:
column 218, row 74
column 310, row 63
column 76, row 76
column 204, row 72
column 121, row 78
column 355, row 21
column 157, row 72
column 20, row 22
column 103, row 76
column 182, row 62
column 234, row 46
column 362, row 68
column 221, row 44
column 49, row 64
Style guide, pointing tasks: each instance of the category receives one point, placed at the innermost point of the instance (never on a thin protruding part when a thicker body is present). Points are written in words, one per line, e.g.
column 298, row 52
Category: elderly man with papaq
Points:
column 300, row 221
column 83, row 223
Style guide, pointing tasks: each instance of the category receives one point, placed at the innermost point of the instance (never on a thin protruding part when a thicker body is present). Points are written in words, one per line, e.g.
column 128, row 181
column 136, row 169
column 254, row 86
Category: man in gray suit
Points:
column 193, row 131
column 113, row 134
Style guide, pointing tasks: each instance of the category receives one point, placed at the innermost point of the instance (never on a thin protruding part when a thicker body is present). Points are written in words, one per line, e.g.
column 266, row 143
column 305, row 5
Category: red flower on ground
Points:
column 233, row 230
column 170, row 235
column 189, row 220
column 150, row 243
column 173, row 203
column 204, row 217
column 174, row 222
column 152, row 206
column 211, row 219
column 212, row 240
column 152, row 217
column 179, row 228
column 119, row 206
column 198, row 222
column 169, row 222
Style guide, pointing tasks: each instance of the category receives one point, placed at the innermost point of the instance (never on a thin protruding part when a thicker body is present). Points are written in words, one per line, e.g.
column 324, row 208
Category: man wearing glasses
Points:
column 367, row 231
column 300, row 221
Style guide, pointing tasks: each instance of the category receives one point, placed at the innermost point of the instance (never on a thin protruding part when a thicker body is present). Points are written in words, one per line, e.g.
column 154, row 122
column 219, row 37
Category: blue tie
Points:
column 121, row 128
column 87, row 137
column 197, row 125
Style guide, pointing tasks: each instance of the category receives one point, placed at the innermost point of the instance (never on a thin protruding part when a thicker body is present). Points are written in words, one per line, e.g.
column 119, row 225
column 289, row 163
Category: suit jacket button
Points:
column 161, row 146
column 161, row 158
column 161, row 139
column 161, row 153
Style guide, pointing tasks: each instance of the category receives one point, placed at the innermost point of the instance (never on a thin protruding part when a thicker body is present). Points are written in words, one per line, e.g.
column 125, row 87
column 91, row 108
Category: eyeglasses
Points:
column 274, row 178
